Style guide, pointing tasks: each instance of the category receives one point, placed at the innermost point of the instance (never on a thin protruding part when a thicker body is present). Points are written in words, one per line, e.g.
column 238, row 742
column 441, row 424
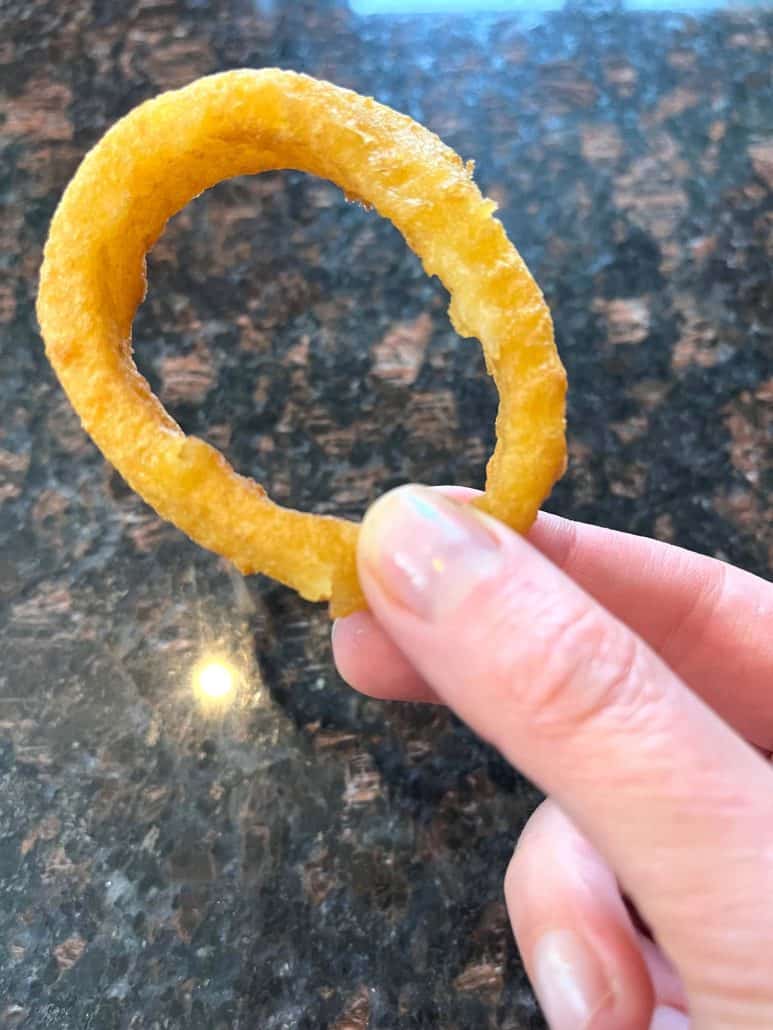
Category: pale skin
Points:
column 633, row 682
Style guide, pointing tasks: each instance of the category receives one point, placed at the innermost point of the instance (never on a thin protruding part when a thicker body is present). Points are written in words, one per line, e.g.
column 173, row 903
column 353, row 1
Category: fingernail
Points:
column 666, row 1018
column 427, row 552
column 569, row 981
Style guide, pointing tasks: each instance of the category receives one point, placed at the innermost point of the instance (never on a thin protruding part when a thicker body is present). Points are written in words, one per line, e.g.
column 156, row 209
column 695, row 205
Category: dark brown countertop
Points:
column 303, row 857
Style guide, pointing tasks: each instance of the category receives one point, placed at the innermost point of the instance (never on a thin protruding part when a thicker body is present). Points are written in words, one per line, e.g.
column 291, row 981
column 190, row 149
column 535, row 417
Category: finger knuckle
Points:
column 589, row 670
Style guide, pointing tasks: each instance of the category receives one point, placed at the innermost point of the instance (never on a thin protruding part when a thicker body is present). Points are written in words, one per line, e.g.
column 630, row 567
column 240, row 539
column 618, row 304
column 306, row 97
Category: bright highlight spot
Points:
column 214, row 679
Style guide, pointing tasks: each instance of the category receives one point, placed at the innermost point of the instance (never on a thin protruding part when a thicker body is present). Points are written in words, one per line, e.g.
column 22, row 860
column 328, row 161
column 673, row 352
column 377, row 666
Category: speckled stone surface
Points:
column 302, row 857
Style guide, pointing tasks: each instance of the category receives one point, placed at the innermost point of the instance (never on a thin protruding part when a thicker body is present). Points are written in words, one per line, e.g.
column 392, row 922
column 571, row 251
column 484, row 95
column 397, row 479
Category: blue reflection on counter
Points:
column 536, row 6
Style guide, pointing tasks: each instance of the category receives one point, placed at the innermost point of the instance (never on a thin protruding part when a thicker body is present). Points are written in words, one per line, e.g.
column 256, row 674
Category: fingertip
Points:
column 349, row 641
column 572, row 929
column 369, row 661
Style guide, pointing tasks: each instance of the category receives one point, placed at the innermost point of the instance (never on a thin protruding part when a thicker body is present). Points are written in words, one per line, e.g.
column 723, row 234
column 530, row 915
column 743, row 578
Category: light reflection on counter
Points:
column 225, row 681
column 214, row 681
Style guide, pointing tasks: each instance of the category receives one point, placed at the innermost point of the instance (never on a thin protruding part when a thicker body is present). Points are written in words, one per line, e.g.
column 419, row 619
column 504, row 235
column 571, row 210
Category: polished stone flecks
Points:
column 285, row 854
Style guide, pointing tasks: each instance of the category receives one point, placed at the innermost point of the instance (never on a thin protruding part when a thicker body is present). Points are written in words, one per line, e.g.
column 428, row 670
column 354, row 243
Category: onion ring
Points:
column 167, row 151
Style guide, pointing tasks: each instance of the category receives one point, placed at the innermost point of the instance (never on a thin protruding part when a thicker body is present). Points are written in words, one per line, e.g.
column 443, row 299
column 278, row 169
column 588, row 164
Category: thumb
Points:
column 677, row 803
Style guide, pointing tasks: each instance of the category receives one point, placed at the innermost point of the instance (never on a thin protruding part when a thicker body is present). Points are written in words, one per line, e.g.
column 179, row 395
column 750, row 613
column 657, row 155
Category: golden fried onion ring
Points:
column 170, row 149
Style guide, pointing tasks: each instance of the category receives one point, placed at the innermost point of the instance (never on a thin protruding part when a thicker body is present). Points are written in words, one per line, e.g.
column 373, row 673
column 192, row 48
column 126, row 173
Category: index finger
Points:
column 710, row 622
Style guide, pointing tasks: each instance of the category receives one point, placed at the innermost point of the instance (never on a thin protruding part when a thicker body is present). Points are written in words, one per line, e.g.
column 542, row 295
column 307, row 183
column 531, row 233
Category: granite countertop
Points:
column 298, row 856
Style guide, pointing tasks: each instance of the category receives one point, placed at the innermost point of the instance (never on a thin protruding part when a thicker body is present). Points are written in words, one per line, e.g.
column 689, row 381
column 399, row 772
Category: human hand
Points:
column 633, row 682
